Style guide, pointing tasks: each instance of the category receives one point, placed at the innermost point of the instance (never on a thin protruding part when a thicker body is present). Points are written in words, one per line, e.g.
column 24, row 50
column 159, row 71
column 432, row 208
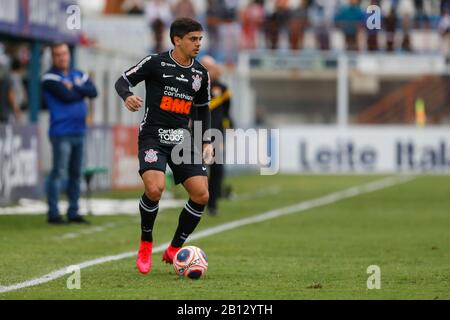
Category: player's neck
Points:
column 180, row 58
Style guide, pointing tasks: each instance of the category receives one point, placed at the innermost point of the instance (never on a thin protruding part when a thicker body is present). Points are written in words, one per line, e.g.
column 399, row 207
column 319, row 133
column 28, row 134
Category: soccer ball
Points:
column 190, row 262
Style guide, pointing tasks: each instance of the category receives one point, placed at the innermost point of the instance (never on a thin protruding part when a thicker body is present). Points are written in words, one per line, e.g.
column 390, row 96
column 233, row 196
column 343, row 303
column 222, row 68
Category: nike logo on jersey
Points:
column 168, row 76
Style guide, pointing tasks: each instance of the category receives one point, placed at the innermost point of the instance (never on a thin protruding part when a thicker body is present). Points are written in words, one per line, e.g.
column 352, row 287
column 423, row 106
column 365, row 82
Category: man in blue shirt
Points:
column 350, row 19
column 64, row 91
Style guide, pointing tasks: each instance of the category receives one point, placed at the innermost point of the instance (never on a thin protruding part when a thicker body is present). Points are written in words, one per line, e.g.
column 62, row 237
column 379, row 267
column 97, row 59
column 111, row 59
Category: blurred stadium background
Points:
column 347, row 100
column 290, row 64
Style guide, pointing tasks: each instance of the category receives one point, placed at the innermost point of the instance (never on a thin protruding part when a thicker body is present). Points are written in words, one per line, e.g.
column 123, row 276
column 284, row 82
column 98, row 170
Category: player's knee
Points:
column 201, row 198
column 154, row 192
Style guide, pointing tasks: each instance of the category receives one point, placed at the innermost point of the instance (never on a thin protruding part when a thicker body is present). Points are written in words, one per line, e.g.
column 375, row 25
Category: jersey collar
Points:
column 186, row 67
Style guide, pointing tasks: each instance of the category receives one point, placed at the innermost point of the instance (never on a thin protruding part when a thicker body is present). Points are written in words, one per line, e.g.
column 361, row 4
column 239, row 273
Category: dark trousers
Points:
column 216, row 175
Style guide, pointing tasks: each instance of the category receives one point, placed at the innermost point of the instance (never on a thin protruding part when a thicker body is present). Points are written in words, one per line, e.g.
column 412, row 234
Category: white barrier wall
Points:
column 320, row 149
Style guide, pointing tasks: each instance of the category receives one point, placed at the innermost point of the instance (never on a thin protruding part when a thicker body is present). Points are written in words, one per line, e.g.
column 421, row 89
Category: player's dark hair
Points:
column 182, row 26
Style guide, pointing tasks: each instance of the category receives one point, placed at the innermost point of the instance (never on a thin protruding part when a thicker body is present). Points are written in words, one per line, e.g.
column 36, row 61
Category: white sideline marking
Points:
column 299, row 207
column 274, row 190
column 89, row 231
column 101, row 207
column 74, row 235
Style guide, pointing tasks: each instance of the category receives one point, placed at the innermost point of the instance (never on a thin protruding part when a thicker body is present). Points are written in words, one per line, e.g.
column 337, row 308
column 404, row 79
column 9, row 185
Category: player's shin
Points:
column 148, row 210
column 189, row 219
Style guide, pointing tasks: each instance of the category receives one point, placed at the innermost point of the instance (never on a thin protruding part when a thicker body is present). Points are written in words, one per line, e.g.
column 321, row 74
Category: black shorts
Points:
column 155, row 156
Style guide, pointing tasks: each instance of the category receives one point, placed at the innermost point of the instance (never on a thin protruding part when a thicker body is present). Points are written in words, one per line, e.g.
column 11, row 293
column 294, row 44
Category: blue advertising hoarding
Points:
column 37, row 19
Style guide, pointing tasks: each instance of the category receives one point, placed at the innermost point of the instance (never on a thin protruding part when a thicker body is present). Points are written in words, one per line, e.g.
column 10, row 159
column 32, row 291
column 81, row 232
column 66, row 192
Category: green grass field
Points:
column 321, row 253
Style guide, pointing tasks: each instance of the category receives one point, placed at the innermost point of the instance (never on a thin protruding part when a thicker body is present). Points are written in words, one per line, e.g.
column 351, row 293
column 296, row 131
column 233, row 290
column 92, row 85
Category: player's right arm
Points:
column 131, row 78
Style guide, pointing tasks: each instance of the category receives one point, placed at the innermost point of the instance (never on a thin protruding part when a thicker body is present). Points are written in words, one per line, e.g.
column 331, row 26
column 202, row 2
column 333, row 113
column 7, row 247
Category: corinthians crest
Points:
column 196, row 85
column 151, row 156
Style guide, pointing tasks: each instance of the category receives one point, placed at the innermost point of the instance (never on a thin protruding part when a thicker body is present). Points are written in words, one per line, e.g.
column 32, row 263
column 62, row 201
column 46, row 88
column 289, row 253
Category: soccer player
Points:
column 175, row 83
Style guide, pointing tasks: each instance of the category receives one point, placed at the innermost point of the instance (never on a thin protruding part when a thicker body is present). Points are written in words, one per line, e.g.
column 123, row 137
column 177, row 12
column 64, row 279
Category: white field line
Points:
column 101, row 207
column 272, row 214
column 90, row 230
column 274, row 190
column 34, row 206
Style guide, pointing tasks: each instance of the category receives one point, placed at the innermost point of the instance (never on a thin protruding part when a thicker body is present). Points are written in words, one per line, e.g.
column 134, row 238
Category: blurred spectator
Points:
column 9, row 109
column 252, row 18
column 18, row 71
column 184, row 8
column 159, row 17
column 4, row 58
column 277, row 22
column 298, row 23
column 212, row 23
column 421, row 17
column 350, row 19
column 390, row 25
column 444, row 5
column 229, row 31
column 406, row 12
column 444, row 30
column 272, row 32
column 133, row 7
column 321, row 14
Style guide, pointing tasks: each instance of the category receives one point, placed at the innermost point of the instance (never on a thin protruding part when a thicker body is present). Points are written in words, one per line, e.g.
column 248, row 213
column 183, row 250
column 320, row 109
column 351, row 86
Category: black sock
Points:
column 189, row 218
column 149, row 210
